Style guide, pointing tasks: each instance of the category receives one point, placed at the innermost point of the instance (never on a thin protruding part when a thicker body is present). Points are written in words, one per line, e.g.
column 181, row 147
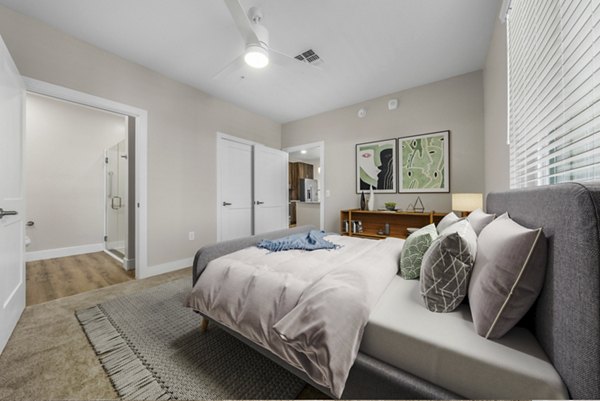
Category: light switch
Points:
column 327, row 193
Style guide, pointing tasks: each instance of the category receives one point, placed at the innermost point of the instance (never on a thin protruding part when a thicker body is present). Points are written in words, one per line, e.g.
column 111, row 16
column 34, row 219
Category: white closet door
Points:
column 235, row 181
column 12, row 237
column 270, row 189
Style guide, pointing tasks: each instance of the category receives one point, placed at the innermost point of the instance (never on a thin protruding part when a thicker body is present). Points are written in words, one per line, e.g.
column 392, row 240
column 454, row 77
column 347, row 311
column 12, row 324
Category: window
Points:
column 554, row 93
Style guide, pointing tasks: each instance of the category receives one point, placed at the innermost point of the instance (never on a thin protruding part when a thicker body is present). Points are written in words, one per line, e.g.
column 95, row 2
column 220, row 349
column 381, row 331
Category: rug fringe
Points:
column 130, row 377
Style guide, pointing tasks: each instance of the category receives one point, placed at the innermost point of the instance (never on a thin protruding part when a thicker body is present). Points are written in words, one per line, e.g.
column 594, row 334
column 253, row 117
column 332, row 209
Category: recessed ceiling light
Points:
column 303, row 151
column 256, row 56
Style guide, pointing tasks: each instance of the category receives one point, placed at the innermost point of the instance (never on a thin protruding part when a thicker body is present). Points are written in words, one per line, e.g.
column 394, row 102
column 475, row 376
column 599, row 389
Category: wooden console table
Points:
column 373, row 221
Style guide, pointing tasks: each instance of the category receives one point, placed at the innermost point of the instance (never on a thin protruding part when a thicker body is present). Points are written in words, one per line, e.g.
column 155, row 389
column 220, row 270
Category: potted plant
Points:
column 390, row 206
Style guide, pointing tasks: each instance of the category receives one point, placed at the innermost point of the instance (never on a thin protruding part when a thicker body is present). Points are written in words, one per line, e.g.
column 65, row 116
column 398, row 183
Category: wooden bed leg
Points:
column 203, row 325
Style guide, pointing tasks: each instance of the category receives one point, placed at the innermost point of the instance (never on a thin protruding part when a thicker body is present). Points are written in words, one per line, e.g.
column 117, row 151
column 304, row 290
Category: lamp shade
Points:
column 467, row 202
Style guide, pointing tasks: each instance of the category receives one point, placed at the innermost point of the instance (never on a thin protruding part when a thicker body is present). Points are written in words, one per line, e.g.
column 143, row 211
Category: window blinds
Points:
column 554, row 93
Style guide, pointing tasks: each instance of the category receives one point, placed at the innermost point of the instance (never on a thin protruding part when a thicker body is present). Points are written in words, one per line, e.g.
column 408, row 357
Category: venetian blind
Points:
column 554, row 93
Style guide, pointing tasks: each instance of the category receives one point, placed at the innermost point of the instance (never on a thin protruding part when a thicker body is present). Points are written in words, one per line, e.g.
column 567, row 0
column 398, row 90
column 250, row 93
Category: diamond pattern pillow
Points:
column 447, row 266
column 413, row 250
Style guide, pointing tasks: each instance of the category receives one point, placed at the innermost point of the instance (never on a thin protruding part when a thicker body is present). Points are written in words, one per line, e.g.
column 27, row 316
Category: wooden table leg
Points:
column 203, row 325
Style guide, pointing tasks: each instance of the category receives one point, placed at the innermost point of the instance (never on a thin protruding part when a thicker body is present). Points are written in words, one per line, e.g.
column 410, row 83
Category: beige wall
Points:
column 64, row 171
column 496, row 109
column 182, row 124
column 455, row 104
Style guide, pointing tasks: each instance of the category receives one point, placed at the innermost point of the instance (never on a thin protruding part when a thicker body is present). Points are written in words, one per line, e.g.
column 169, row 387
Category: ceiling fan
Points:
column 258, row 54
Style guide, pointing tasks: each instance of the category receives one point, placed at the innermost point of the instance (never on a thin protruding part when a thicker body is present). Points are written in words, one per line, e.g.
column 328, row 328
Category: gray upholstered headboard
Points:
column 566, row 317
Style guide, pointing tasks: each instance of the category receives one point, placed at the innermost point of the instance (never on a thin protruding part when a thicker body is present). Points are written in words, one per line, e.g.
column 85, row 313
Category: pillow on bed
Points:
column 413, row 250
column 508, row 275
column 479, row 219
column 446, row 267
column 447, row 221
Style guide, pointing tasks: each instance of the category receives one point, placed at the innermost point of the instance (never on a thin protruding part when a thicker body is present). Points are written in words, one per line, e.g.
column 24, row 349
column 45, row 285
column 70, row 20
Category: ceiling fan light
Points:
column 256, row 56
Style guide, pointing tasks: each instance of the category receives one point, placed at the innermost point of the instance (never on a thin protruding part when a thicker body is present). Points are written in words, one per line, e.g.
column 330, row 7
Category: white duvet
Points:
column 309, row 308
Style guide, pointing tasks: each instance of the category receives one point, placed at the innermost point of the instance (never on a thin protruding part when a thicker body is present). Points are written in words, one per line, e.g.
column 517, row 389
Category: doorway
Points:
column 66, row 208
column 137, row 122
column 306, row 183
column 72, row 152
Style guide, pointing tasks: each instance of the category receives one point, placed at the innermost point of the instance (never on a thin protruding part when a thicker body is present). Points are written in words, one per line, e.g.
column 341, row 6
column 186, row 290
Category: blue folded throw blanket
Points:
column 310, row 241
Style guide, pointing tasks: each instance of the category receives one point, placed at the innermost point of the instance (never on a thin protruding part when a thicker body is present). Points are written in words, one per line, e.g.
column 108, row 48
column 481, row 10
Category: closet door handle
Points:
column 260, row 203
column 226, row 204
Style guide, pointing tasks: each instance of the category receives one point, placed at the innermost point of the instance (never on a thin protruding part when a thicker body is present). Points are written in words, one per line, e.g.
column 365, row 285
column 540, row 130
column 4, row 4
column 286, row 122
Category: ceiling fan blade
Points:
column 288, row 61
column 241, row 20
column 236, row 66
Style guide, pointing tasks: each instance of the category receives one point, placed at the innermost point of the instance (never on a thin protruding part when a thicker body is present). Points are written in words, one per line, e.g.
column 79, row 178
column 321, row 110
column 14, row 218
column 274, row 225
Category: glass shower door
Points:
column 116, row 199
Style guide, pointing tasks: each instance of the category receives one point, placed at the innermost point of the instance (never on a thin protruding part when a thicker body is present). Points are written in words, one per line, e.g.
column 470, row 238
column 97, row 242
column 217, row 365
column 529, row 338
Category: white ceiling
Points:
column 370, row 48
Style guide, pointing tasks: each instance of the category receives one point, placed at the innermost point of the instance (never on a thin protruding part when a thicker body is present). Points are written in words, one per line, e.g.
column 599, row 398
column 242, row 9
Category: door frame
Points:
column 321, row 145
column 141, row 156
column 220, row 137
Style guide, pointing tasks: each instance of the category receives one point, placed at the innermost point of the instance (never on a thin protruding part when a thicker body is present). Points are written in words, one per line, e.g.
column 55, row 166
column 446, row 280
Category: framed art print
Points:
column 376, row 166
column 424, row 162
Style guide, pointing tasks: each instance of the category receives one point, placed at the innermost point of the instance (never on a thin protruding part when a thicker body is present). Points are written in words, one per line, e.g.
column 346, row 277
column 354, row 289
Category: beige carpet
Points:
column 48, row 355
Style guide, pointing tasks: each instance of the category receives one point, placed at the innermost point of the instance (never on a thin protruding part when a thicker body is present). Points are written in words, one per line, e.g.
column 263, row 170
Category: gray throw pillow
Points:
column 507, row 277
column 447, row 221
column 479, row 219
column 413, row 250
column 447, row 266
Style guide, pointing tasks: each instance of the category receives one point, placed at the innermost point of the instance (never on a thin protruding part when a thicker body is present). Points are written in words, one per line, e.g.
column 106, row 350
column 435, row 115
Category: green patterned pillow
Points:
column 414, row 248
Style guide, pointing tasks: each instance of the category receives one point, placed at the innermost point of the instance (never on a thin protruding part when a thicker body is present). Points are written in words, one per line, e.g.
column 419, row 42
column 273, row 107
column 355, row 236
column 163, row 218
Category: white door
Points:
column 270, row 189
column 12, row 244
column 235, row 182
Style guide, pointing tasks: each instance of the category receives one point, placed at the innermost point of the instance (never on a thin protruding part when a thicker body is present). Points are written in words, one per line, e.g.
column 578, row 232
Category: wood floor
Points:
column 61, row 277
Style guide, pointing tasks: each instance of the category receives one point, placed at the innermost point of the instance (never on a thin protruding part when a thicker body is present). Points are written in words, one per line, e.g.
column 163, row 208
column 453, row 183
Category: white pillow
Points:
column 479, row 219
column 447, row 221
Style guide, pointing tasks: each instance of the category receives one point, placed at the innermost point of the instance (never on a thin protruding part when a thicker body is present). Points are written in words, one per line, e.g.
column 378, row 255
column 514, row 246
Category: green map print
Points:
column 423, row 163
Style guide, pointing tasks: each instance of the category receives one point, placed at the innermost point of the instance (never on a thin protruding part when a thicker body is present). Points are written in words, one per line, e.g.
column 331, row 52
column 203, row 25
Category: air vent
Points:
column 309, row 57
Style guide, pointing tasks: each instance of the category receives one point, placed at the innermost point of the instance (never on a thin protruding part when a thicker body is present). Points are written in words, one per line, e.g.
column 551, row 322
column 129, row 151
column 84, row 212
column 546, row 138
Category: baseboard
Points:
column 62, row 252
column 129, row 264
column 166, row 267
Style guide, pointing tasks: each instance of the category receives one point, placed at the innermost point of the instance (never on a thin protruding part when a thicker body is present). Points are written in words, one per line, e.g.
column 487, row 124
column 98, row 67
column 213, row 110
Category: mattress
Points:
column 444, row 349
column 308, row 308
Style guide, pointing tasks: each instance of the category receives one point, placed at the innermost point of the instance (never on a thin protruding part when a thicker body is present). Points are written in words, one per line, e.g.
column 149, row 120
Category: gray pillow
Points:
column 447, row 266
column 479, row 219
column 413, row 250
column 507, row 277
column 447, row 221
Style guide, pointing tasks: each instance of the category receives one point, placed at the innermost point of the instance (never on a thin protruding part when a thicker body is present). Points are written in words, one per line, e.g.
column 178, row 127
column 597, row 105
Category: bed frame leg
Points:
column 203, row 325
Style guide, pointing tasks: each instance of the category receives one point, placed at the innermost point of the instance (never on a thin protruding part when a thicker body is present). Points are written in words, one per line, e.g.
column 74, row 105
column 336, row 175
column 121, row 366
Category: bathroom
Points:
column 79, row 189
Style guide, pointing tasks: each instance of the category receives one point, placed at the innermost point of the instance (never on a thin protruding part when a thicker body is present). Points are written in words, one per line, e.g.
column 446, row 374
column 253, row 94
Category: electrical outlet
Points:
column 191, row 235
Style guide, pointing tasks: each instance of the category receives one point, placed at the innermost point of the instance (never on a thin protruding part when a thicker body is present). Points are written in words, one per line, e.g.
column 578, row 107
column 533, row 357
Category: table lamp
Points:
column 466, row 203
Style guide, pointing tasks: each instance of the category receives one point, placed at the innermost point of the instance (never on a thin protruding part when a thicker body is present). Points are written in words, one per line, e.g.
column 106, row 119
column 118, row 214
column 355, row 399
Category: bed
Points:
column 555, row 353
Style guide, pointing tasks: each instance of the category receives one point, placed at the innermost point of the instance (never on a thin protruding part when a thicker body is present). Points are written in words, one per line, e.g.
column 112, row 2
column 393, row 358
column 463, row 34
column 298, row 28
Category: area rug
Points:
column 151, row 348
